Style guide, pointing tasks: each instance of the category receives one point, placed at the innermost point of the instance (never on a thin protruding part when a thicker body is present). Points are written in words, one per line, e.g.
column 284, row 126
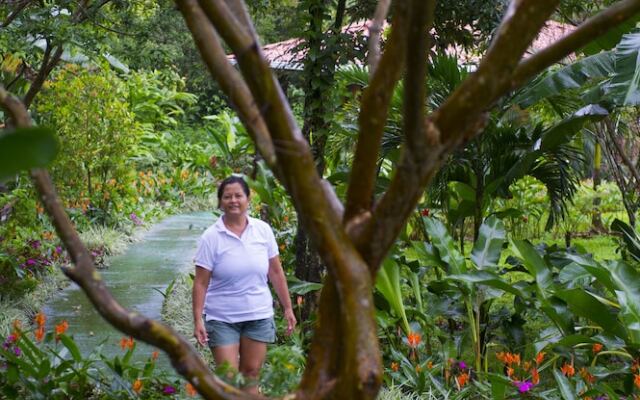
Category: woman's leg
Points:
column 252, row 355
column 227, row 354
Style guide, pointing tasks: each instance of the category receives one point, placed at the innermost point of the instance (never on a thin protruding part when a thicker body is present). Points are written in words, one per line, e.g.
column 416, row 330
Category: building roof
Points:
column 289, row 55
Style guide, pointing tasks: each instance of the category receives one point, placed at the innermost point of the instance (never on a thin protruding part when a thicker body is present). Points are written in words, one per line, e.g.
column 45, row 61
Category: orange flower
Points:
column 61, row 328
column 40, row 319
column 526, row 365
column 414, row 339
column 395, row 366
column 154, row 355
column 418, row 368
column 462, row 379
column 17, row 324
column 508, row 358
column 191, row 391
column 126, row 343
column 568, row 370
column 535, row 376
column 430, row 365
column 540, row 357
column 587, row 376
column 636, row 380
column 39, row 333
column 597, row 348
column 137, row 386
column 510, row 372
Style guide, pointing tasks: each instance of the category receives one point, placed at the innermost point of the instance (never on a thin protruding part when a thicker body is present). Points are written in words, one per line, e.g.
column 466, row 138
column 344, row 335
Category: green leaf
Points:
column 629, row 236
column 486, row 251
column 297, row 286
column 447, row 249
column 499, row 385
column 26, row 148
column 564, row 131
column 71, row 345
column 627, row 280
column 624, row 86
column 535, row 264
column 573, row 76
column 388, row 284
column 610, row 39
column 490, row 279
column 581, row 303
column 566, row 390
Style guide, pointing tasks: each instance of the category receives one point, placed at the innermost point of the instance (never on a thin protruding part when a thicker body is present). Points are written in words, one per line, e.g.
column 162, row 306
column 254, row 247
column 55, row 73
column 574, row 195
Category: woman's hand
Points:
column 291, row 320
column 200, row 333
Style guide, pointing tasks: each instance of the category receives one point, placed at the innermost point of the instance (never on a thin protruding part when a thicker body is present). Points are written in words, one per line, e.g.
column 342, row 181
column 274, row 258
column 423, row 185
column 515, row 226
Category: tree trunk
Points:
column 596, row 216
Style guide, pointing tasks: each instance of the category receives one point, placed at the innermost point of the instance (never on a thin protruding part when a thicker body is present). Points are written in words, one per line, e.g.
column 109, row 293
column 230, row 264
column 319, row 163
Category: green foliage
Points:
column 48, row 365
column 97, row 131
column 26, row 148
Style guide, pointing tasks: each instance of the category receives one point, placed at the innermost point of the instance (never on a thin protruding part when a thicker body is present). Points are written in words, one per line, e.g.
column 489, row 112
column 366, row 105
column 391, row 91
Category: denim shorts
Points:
column 226, row 333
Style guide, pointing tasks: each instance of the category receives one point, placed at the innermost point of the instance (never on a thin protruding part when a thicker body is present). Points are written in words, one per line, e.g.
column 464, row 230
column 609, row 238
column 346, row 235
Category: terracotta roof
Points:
column 286, row 56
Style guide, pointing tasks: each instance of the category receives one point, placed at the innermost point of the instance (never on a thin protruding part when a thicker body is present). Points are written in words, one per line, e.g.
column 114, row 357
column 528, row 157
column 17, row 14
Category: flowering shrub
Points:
column 35, row 363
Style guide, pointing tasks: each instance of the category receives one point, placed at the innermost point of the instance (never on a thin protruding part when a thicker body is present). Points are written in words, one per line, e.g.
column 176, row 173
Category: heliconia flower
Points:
column 191, row 391
column 462, row 379
column 39, row 333
column 40, row 319
column 597, row 348
column 127, row 343
column 62, row 327
column 535, row 376
column 508, row 358
column 169, row 390
column 540, row 357
column 524, row 386
column 395, row 366
column 568, row 370
column 137, row 386
column 636, row 380
column 414, row 339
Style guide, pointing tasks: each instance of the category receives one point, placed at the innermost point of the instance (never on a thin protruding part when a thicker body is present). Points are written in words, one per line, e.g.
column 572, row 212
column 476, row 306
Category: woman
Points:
column 232, row 303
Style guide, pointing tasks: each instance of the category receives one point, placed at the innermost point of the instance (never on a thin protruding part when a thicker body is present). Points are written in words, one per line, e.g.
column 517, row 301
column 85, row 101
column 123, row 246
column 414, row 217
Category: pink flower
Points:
column 169, row 390
column 524, row 386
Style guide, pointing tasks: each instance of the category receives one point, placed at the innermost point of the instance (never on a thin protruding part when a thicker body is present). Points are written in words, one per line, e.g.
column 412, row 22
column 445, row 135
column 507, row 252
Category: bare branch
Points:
column 230, row 80
column 183, row 357
column 374, row 107
column 586, row 32
column 49, row 61
column 14, row 14
column 375, row 31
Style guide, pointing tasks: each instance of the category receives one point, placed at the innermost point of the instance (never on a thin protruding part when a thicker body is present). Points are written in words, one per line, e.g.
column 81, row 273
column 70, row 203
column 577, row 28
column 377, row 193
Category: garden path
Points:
column 136, row 278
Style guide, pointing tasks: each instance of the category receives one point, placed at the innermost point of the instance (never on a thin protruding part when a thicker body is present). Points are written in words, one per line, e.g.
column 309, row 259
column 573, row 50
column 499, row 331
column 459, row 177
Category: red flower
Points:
column 568, row 370
column 425, row 212
column 395, row 366
column 414, row 339
column 597, row 348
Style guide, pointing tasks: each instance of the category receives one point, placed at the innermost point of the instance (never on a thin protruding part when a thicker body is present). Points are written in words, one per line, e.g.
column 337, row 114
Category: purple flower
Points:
column 524, row 386
column 135, row 219
column 35, row 244
column 58, row 249
column 31, row 262
column 17, row 351
column 462, row 365
column 169, row 390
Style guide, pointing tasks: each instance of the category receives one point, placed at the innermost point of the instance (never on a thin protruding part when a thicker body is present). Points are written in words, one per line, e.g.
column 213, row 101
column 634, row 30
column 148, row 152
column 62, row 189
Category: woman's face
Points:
column 234, row 201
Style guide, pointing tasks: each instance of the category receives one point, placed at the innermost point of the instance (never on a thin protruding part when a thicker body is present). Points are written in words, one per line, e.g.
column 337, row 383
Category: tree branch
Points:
column 14, row 14
column 375, row 32
column 462, row 115
column 374, row 108
column 49, row 62
column 230, row 80
column 581, row 36
column 183, row 357
column 360, row 355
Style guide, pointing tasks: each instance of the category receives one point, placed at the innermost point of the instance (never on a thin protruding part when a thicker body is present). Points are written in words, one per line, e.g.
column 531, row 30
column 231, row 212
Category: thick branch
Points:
column 230, row 80
column 374, row 108
column 585, row 33
column 14, row 14
column 183, row 357
column 375, row 33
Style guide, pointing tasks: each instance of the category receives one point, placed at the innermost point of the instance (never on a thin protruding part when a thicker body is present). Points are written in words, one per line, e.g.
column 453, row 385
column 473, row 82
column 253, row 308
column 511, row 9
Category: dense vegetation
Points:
column 514, row 273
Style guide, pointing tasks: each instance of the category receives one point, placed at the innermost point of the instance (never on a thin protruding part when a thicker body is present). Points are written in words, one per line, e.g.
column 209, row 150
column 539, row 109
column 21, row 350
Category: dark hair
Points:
column 230, row 180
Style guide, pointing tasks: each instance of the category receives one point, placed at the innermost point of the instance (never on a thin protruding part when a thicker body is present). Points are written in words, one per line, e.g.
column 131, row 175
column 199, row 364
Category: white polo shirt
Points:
column 238, row 290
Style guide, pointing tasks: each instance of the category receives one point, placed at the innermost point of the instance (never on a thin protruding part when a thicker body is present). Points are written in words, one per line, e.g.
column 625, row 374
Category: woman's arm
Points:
column 279, row 282
column 200, row 284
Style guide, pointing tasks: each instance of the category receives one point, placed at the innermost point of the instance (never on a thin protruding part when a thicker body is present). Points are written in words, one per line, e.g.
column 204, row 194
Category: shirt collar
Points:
column 222, row 228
